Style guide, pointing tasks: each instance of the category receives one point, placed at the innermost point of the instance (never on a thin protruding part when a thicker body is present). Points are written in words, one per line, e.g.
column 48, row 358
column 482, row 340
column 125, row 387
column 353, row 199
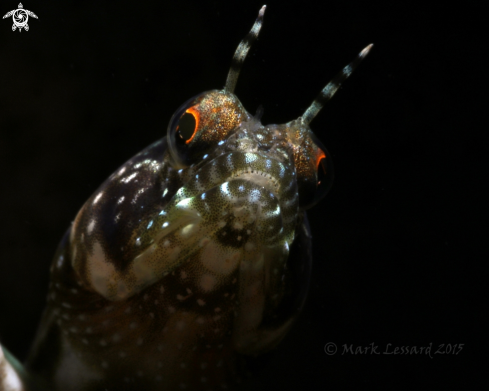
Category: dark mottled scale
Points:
column 123, row 331
column 192, row 256
column 109, row 231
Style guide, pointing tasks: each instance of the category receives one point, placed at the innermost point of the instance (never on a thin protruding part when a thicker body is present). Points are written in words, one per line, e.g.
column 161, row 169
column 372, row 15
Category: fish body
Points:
column 194, row 254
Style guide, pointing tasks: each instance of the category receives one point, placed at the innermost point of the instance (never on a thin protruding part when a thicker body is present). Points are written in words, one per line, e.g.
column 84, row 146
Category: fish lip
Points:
column 265, row 179
column 260, row 178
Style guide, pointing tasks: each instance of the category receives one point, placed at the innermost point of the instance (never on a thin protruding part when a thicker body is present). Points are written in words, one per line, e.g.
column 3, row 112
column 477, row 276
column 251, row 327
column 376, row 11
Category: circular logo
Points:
column 20, row 17
column 330, row 348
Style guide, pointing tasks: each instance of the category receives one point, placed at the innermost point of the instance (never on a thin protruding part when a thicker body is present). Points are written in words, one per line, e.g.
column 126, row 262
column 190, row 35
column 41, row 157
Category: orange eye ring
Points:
column 182, row 130
column 196, row 116
column 320, row 155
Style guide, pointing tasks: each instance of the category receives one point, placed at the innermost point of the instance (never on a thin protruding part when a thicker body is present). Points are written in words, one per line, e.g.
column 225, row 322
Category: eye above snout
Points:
column 183, row 127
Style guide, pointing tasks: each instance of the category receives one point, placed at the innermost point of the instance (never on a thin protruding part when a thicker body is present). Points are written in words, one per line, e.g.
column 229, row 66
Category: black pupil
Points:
column 322, row 172
column 186, row 126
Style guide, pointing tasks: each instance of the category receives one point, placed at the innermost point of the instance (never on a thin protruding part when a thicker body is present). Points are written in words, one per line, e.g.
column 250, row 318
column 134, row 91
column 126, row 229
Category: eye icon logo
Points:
column 20, row 16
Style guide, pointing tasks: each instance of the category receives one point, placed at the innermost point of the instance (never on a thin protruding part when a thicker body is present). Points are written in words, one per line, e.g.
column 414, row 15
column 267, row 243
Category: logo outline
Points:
column 20, row 16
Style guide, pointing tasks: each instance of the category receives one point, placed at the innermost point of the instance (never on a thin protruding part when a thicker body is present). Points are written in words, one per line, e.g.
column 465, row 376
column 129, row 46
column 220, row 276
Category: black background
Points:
column 399, row 243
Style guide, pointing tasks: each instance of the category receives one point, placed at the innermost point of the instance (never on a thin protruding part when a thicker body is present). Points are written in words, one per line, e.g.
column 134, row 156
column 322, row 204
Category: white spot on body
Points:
column 97, row 197
column 225, row 189
column 138, row 194
column 90, row 227
column 254, row 196
column 129, row 178
column 117, row 217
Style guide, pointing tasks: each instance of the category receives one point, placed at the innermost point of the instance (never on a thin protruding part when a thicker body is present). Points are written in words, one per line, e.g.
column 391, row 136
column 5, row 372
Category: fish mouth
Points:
column 256, row 168
column 259, row 178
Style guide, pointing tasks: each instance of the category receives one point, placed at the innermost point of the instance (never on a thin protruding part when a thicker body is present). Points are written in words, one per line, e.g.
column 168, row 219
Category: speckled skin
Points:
column 169, row 274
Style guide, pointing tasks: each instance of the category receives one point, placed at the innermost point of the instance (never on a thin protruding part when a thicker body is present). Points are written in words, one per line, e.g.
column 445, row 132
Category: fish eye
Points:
column 325, row 174
column 183, row 127
column 187, row 127
column 325, row 177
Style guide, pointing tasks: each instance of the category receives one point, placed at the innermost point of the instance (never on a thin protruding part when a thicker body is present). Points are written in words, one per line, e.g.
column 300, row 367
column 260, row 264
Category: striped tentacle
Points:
column 330, row 89
column 242, row 51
